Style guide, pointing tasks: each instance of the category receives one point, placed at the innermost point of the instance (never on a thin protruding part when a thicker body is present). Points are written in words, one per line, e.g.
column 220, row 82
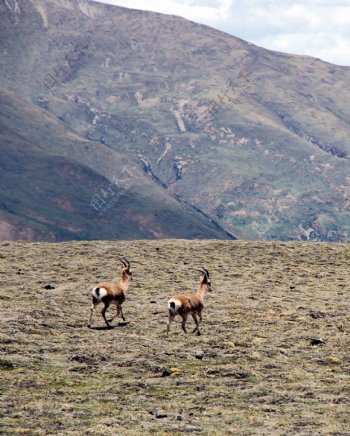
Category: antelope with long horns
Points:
column 112, row 293
column 190, row 304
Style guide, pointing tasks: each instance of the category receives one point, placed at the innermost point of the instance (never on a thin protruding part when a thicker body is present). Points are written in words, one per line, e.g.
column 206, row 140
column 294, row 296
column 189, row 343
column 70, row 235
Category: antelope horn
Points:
column 127, row 262
column 123, row 262
column 206, row 272
column 203, row 271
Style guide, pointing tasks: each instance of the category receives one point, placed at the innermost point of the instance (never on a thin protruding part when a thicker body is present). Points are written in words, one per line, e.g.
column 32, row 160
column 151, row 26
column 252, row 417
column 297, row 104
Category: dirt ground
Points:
column 273, row 357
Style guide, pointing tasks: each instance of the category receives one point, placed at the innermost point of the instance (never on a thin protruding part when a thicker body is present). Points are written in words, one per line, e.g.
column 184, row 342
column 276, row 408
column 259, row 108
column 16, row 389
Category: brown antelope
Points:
column 190, row 304
column 112, row 293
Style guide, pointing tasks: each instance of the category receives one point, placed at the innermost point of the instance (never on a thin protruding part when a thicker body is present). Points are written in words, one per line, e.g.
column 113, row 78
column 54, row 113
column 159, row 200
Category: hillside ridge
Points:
column 255, row 140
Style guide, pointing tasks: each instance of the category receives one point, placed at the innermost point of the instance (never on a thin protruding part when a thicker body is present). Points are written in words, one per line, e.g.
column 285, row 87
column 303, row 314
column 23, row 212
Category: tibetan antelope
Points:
column 112, row 293
column 190, row 304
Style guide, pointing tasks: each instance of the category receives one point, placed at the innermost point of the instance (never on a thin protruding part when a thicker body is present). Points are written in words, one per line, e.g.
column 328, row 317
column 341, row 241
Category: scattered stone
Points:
column 158, row 414
column 271, row 410
column 142, row 385
column 4, row 297
column 239, row 374
column 82, row 358
column 6, row 364
column 200, row 388
column 179, row 418
column 315, row 314
column 230, row 345
column 163, row 371
column 49, row 287
column 270, row 366
column 334, row 360
column 291, row 287
column 153, row 302
column 166, row 372
column 317, row 341
column 309, row 394
column 213, row 371
column 199, row 355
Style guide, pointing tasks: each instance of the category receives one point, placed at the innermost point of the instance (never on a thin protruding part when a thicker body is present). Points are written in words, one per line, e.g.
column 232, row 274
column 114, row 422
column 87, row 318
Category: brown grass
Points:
column 259, row 373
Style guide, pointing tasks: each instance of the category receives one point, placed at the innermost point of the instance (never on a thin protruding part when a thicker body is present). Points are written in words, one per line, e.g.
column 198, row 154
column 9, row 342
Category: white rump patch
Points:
column 102, row 293
column 177, row 303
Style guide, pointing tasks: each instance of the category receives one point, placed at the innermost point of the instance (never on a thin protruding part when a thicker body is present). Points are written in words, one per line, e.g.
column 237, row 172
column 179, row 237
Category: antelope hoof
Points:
column 198, row 333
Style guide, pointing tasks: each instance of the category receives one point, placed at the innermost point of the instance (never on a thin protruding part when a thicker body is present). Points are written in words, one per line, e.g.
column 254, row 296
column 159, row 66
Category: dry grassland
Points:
column 273, row 357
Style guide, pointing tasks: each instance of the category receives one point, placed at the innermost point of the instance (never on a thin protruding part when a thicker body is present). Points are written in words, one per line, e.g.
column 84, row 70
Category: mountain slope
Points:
column 255, row 139
column 47, row 194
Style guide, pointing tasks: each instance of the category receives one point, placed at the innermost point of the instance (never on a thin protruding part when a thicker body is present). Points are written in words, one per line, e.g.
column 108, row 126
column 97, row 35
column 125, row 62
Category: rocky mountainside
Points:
column 56, row 185
column 162, row 127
